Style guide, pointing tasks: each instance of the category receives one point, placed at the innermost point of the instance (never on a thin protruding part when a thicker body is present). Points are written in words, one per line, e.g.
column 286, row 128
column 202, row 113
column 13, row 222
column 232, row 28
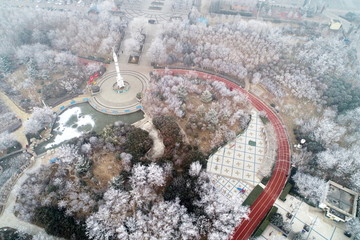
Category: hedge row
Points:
column 253, row 196
column 265, row 222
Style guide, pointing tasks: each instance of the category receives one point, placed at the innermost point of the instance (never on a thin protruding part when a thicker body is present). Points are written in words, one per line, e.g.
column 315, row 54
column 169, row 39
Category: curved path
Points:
column 21, row 114
column 267, row 198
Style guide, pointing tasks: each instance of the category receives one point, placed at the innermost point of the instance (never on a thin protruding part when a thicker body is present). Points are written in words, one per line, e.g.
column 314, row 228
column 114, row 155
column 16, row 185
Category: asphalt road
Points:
column 267, row 198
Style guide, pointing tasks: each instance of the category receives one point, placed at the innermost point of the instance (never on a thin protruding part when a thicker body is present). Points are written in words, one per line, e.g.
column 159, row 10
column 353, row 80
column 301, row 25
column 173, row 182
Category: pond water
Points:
column 79, row 119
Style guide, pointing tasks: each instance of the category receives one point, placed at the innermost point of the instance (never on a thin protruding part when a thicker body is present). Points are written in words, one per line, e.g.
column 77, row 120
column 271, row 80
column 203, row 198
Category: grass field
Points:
column 253, row 195
column 263, row 225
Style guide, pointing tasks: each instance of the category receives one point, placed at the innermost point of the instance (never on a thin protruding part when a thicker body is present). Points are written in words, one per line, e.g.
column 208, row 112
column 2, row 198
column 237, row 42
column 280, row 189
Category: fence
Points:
column 239, row 82
column 9, row 184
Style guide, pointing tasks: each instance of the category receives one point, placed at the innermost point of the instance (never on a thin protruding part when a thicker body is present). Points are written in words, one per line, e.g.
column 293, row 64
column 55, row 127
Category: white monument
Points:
column 119, row 79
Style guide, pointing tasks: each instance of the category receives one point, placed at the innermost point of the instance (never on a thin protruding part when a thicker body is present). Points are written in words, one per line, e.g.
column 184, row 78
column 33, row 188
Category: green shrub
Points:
column 285, row 192
column 56, row 223
column 138, row 143
column 170, row 132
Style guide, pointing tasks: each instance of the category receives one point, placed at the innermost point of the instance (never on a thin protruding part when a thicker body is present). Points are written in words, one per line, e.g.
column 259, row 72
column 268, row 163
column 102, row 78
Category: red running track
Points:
column 267, row 198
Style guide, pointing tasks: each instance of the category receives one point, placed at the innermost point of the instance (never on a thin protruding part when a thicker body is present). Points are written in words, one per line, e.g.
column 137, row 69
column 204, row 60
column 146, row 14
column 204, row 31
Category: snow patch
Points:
column 68, row 129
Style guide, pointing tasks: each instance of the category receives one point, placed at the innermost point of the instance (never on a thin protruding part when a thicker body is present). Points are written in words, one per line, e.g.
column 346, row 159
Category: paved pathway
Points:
column 107, row 101
column 63, row 105
column 8, row 219
column 267, row 198
column 19, row 133
column 13, row 107
column 229, row 186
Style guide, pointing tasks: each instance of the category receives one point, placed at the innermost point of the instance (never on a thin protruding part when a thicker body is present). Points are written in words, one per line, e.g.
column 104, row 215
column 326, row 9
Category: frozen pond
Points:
column 79, row 119
column 71, row 123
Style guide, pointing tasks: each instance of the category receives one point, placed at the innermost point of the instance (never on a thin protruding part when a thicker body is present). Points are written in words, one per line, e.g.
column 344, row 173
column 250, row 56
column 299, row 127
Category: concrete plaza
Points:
column 321, row 227
column 160, row 11
column 111, row 102
column 236, row 164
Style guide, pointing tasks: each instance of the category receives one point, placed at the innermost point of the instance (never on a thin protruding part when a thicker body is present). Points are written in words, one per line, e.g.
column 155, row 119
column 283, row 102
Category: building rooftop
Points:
column 341, row 201
column 340, row 198
column 335, row 24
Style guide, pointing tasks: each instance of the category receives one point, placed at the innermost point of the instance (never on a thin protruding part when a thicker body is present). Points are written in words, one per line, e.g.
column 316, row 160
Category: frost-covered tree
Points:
column 195, row 169
column 6, row 64
column 222, row 215
column 206, row 96
column 83, row 165
column 311, row 187
column 86, row 148
column 39, row 119
column 68, row 153
column 355, row 180
column 7, row 140
column 136, row 40
column 126, row 215
column 353, row 226
column 157, row 51
column 126, row 160
column 43, row 236
column 180, row 95
column 117, row 219
column 70, row 85
column 323, row 129
column 144, row 181
column 132, row 47
column 212, row 117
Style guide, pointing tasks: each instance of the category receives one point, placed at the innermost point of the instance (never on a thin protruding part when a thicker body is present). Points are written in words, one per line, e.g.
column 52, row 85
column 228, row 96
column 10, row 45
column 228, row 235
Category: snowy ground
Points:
column 71, row 124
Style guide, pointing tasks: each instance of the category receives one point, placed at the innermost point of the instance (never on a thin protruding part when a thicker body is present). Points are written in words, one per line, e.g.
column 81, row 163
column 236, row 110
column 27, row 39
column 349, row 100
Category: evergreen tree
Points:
column 32, row 69
column 6, row 64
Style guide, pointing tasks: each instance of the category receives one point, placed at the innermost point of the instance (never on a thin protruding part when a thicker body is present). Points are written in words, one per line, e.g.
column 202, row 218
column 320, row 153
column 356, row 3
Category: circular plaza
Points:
column 113, row 102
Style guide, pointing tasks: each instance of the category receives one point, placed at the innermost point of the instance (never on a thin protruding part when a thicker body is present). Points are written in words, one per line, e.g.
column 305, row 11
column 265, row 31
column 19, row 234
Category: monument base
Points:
column 123, row 89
